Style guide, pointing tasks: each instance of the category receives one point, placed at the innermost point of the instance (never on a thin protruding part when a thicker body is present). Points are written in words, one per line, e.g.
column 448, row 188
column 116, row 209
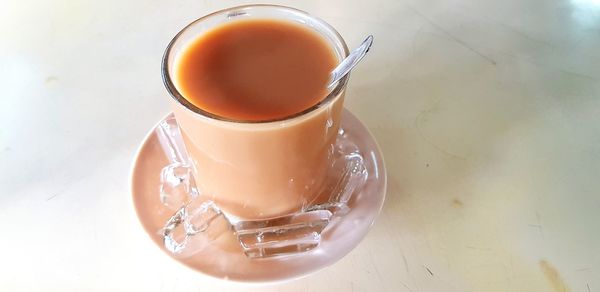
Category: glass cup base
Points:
column 198, row 220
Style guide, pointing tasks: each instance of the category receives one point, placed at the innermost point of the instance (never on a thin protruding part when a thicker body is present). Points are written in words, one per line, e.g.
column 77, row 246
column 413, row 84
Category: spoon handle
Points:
column 349, row 62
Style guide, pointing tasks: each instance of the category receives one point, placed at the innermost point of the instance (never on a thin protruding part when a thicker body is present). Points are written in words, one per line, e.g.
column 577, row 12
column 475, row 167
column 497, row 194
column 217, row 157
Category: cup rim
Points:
column 178, row 97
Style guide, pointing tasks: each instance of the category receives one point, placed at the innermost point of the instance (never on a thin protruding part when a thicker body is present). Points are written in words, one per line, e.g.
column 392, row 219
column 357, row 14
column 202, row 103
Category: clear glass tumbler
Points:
column 258, row 169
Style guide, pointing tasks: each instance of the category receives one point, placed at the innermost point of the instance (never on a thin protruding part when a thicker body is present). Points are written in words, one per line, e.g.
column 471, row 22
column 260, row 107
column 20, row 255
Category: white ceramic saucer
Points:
column 224, row 257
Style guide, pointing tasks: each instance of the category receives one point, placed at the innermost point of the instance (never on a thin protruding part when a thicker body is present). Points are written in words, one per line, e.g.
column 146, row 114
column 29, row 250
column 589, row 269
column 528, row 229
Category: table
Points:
column 487, row 112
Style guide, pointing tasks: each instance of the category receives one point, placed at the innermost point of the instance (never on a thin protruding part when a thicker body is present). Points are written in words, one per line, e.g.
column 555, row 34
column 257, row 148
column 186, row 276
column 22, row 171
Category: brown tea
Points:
column 258, row 69
column 255, row 70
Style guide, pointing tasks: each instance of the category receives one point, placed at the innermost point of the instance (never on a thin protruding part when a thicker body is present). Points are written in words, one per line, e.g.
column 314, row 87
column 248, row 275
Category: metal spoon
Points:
column 349, row 62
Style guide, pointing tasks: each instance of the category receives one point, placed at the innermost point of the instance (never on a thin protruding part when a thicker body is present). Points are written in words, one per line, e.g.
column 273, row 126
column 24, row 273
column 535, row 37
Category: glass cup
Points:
column 258, row 169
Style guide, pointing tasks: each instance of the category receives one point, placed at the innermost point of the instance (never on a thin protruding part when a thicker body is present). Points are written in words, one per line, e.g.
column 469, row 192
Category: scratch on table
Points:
column 524, row 35
column 576, row 74
column 478, row 248
column 538, row 224
column 61, row 189
column 411, row 290
column 364, row 21
column 545, row 66
column 440, row 149
column 454, row 38
column 582, row 269
column 377, row 271
column 414, row 39
column 428, row 270
column 405, row 264
column 52, row 197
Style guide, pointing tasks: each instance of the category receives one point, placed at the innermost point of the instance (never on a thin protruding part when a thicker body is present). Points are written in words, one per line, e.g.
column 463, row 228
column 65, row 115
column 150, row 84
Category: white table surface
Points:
column 488, row 114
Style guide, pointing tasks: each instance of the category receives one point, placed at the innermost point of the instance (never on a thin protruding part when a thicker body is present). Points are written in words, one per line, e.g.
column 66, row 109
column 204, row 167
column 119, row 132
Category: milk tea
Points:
column 266, row 148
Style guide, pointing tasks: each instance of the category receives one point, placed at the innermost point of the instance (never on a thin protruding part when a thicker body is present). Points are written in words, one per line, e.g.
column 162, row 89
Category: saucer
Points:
column 224, row 258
